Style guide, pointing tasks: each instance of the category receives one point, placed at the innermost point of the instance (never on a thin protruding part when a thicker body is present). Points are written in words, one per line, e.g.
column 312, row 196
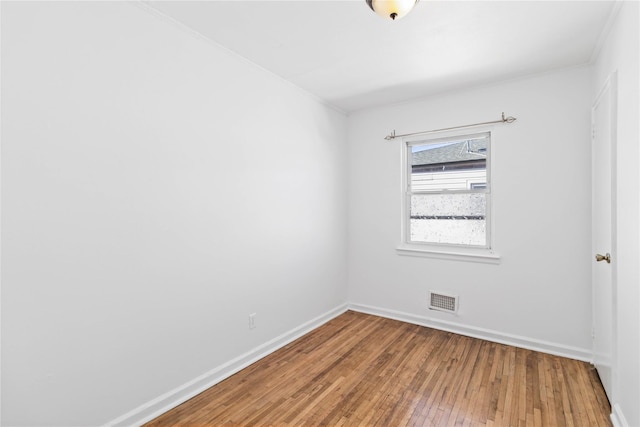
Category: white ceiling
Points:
column 342, row 52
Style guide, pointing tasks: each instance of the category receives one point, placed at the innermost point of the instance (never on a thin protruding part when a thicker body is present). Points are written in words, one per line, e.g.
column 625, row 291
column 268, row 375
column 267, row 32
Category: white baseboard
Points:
column 475, row 332
column 152, row 409
column 617, row 417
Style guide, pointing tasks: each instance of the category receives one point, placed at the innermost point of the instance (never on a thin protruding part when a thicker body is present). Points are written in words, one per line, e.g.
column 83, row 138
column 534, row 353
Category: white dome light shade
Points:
column 393, row 9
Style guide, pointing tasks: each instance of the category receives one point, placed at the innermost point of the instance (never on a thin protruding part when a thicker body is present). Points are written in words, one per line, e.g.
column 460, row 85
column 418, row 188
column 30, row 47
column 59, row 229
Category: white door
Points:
column 603, row 237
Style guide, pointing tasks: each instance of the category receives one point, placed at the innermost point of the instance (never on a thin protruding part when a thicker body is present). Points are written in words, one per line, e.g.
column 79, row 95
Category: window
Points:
column 447, row 198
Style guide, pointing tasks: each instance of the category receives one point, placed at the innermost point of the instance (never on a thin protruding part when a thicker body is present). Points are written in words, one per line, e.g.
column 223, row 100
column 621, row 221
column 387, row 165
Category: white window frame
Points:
column 460, row 252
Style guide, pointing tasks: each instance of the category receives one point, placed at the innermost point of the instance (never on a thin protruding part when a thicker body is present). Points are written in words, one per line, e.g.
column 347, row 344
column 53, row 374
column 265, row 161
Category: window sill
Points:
column 486, row 256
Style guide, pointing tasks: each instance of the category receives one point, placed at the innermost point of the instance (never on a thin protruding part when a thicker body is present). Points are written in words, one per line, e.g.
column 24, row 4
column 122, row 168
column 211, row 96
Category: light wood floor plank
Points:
column 362, row 370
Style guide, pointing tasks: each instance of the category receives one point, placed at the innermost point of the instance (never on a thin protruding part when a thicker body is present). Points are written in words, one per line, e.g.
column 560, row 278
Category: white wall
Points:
column 620, row 53
column 156, row 190
column 540, row 294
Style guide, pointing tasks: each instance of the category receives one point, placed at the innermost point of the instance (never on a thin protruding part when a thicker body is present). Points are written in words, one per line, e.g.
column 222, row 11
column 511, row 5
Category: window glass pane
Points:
column 457, row 218
column 451, row 165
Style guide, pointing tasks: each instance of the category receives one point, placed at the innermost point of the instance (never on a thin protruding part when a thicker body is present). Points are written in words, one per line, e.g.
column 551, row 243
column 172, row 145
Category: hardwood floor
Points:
column 369, row 371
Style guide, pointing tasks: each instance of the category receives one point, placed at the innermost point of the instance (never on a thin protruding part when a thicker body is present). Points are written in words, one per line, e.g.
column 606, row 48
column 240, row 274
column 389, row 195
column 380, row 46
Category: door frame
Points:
column 611, row 85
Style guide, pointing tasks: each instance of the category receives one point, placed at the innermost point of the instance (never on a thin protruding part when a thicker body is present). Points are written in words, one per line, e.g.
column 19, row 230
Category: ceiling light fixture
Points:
column 394, row 9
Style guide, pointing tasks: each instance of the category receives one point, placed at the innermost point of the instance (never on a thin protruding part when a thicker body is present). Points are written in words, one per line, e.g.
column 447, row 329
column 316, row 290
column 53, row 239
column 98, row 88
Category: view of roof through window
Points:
column 468, row 153
column 449, row 191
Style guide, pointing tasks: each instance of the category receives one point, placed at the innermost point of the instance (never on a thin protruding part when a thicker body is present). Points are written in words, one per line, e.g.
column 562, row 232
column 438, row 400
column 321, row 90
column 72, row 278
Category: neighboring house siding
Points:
column 456, row 180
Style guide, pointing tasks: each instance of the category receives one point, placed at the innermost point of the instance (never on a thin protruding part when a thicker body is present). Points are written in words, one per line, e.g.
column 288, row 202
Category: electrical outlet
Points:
column 252, row 320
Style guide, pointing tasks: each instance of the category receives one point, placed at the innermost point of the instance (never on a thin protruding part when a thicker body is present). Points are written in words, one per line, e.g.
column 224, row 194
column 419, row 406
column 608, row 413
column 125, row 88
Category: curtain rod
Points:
column 504, row 119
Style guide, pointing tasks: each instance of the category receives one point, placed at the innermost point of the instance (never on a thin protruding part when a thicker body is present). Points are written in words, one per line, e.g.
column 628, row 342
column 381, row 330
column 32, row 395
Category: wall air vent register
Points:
column 442, row 302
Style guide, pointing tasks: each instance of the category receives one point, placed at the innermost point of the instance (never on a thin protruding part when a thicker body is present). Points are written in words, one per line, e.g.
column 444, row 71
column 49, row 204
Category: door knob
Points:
column 606, row 257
